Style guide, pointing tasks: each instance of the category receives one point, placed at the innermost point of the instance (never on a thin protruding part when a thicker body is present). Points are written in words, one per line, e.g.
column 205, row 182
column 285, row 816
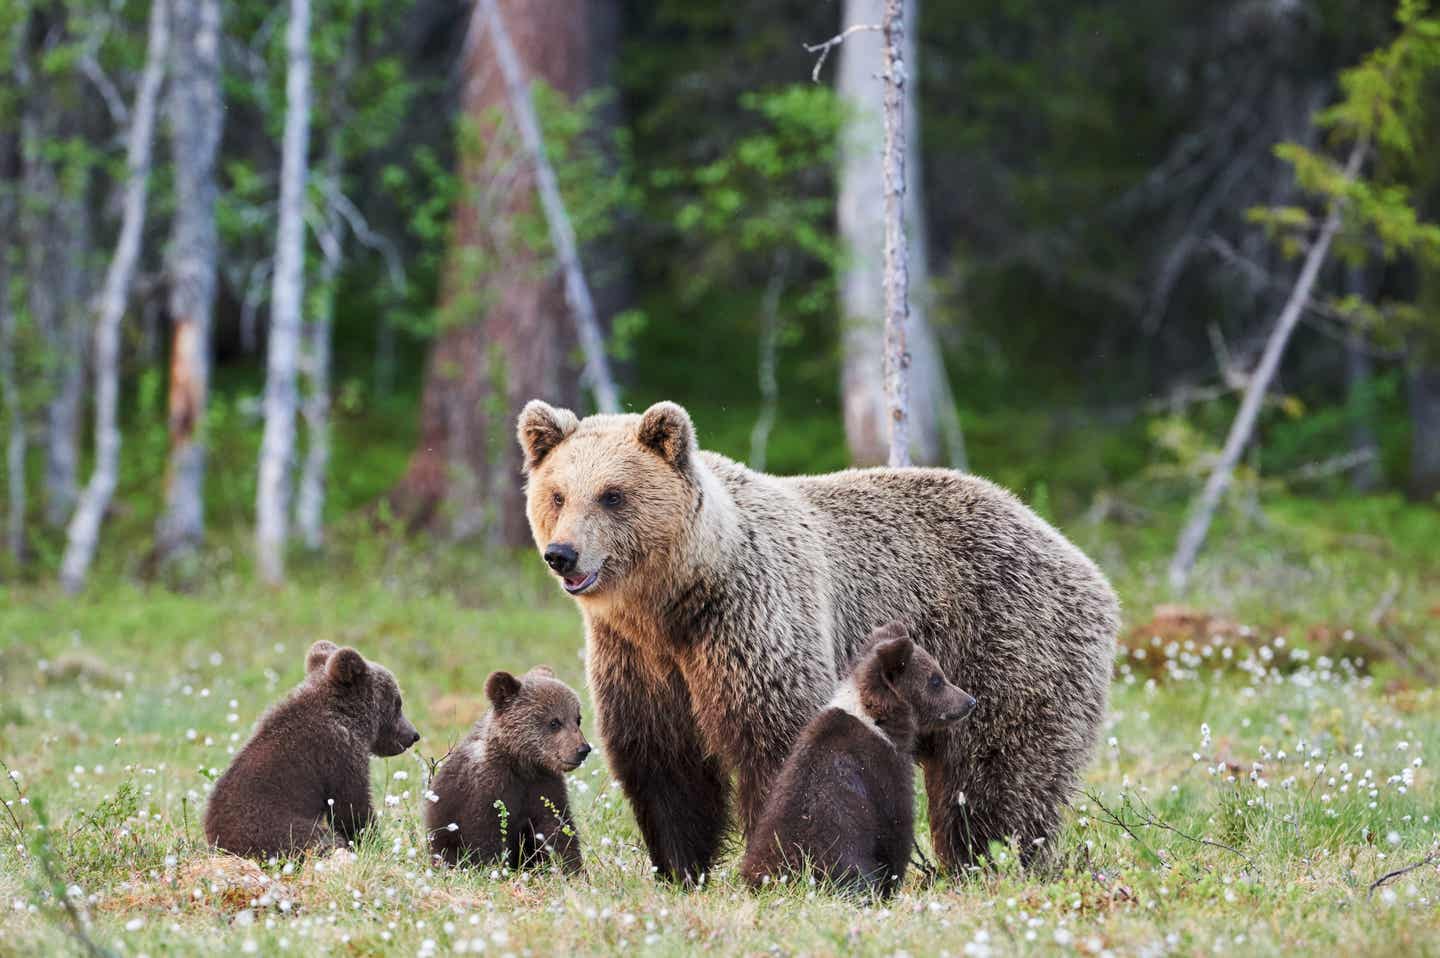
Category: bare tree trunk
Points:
column 562, row 234
column 54, row 220
column 1359, row 375
column 1193, row 535
column 769, row 382
column 195, row 118
column 277, row 448
column 84, row 528
column 16, row 438
column 935, row 434
column 315, row 406
column 897, row 275
column 509, row 338
column 1422, row 381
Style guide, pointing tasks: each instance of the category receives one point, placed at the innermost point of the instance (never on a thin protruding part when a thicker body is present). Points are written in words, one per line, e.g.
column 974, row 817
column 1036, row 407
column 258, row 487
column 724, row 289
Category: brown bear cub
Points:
column 844, row 804
column 500, row 796
column 302, row 781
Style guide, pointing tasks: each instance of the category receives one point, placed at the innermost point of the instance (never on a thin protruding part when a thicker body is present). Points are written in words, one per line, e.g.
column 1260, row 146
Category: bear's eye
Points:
column 555, row 725
column 611, row 498
column 558, row 499
column 935, row 680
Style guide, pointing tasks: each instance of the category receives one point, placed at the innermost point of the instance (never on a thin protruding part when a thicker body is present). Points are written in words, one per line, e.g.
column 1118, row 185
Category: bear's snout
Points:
column 562, row 557
column 967, row 705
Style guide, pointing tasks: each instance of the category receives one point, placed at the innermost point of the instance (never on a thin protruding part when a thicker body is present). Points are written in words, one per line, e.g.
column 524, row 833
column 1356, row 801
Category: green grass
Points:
column 118, row 708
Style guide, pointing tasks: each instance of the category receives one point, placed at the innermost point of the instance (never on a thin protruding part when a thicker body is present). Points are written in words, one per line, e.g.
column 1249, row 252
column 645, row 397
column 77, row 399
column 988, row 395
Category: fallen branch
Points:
column 1399, row 872
column 824, row 48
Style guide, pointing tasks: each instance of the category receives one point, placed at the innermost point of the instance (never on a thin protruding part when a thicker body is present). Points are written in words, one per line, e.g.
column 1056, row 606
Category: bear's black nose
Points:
column 561, row 557
column 584, row 751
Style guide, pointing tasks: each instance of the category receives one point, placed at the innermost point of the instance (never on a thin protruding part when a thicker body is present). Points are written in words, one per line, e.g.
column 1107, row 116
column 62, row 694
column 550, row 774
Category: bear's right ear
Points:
column 666, row 430
column 346, row 667
column 501, row 688
column 894, row 656
column 318, row 655
column 541, row 428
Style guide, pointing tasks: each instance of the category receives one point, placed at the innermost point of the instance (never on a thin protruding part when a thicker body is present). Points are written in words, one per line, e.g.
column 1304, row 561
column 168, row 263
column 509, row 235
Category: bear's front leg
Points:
column 680, row 795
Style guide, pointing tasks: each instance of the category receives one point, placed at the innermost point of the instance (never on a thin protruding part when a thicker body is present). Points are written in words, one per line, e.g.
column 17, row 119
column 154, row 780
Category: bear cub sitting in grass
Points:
column 844, row 804
column 302, row 781
column 500, row 796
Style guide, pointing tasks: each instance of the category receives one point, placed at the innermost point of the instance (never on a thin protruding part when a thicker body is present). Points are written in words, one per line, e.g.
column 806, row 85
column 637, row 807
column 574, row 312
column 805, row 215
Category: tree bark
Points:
column 1359, row 375
column 84, row 527
column 1193, row 535
column 16, row 441
column 1422, row 390
column 195, row 120
column 505, row 337
column 277, row 449
column 767, row 379
column 897, row 275
column 935, row 433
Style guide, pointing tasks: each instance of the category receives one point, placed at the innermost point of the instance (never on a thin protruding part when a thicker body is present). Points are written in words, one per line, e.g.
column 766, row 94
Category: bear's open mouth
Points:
column 576, row 584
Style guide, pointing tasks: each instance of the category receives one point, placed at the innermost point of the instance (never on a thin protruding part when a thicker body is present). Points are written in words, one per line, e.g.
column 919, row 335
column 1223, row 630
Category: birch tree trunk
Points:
column 84, row 528
column 315, row 406
column 16, row 440
column 277, row 448
column 935, row 434
column 195, row 118
column 1193, row 535
column 897, row 274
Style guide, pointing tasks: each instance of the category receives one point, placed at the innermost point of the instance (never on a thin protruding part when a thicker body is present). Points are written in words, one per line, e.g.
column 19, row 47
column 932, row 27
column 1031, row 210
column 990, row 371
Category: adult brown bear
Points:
column 722, row 605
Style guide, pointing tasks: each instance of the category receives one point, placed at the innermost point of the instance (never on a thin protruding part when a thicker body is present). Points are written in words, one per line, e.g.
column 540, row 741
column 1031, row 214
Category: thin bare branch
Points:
column 824, row 48
column 1429, row 859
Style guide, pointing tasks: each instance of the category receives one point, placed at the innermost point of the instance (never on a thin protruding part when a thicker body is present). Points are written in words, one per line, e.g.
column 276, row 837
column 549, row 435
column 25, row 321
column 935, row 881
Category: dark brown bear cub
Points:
column 500, row 795
column 844, row 804
column 302, row 781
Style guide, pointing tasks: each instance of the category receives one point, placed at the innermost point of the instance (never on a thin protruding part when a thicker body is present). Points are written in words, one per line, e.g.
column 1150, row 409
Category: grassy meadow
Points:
column 1270, row 755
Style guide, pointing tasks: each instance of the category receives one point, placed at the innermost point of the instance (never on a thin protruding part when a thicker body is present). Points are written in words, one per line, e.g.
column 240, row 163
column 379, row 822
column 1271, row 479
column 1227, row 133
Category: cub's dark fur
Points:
column 302, row 781
column 844, row 804
column 517, row 754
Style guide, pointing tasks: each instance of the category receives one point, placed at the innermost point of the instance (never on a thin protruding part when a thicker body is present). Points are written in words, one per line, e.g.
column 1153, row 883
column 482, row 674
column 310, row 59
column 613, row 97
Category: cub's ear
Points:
column 890, row 630
column 541, row 428
column 543, row 671
column 346, row 666
column 318, row 655
column 666, row 430
column 501, row 688
column 894, row 656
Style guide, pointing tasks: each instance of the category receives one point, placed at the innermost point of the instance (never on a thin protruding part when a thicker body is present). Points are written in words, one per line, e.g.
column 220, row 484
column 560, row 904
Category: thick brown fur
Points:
column 518, row 755
column 844, row 804
column 726, row 603
column 302, row 781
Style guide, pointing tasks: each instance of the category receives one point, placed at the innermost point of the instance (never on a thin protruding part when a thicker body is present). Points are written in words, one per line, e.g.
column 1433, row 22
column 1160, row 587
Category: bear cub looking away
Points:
column 302, row 781
column 844, row 803
column 500, row 796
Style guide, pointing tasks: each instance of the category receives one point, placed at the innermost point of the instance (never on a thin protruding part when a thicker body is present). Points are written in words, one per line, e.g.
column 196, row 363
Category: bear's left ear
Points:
column 894, row 656
column 501, row 688
column 666, row 430
column 346, row 666
column 543, row 671
column 540, row 429
column 318, row 655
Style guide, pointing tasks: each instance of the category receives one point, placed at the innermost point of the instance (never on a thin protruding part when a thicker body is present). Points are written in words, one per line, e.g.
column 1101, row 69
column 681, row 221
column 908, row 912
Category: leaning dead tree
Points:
column 16, row 440
column 195, row 120
column 277, row 449
column 84, row 529
column 897, row 267
column 1193, row 536
column 562, row 233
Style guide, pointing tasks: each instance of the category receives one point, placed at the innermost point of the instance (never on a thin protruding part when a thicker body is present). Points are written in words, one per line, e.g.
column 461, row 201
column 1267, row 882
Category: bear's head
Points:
column 900, row 683
column 364, row 693
column 610, row 498
column 536, row 721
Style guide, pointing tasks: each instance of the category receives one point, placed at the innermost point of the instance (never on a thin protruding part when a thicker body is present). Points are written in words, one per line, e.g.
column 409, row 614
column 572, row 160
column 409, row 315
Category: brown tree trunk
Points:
column 506, row 334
